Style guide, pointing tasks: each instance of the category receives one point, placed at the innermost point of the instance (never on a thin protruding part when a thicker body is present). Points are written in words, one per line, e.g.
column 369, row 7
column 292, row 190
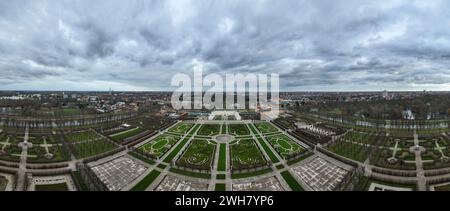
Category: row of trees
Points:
column 436, row 105
column 19, row 122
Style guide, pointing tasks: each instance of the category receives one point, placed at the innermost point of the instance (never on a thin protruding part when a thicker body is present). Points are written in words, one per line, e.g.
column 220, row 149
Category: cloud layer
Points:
column 139, row 45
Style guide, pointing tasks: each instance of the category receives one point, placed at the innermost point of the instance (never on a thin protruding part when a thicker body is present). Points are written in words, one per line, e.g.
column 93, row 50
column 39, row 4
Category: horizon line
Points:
column 321, row 91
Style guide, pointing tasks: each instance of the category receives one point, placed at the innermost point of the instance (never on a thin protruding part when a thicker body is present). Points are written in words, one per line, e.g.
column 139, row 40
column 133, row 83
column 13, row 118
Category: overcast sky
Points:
column 139, row 45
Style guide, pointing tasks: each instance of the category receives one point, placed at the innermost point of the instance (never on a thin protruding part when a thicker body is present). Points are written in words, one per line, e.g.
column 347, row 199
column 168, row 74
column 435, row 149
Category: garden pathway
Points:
column 21, row 173
column 421, row 180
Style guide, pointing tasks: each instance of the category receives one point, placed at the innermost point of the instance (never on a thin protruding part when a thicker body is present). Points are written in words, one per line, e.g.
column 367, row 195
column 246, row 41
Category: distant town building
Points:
column 385, row 94
column 408, row 114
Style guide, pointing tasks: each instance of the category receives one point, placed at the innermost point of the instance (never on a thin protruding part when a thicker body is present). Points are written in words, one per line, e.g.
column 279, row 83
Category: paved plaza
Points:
column 170, row 183
column 118, row 173
column 266, row 184
column 320, row 174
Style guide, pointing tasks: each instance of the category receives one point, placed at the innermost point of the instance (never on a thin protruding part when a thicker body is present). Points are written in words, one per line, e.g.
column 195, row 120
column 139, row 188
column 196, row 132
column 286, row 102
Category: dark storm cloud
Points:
column 140, row 45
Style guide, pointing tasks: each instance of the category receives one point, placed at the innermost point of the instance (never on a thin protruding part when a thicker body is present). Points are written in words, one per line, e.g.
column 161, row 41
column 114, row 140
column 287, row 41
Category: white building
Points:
column 224, row 113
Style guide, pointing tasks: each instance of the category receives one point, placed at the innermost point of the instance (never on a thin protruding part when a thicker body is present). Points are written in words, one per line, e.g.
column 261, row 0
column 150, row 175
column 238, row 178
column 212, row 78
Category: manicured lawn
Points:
column 175, row 151
column 284, row 145
column 147, row 181
column 220, row 187
column 37, row 154
column 268, row 151
column 222, row 158
column 88, row 149
column 162, row 166
column 181, row 128
column 127, row 134
column 220, row 176
column 252, row 128
column 71, row 111
column 238, row 129
column 209, row 130
column 224, row 129
column 160, row 145
column 290, row 180
column 350, row 150
column 82, row 136
column 79, row 182
column 265, row 127
column 194, row 129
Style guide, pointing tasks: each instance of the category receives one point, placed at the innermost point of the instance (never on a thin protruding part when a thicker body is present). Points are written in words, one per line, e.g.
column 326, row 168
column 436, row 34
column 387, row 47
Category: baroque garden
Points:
column 221, row 153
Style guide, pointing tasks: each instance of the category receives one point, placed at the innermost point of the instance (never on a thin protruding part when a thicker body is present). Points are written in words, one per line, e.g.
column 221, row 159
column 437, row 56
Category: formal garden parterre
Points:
column 159, row 146
column 285, row 146
column 198, row 155
column 246, row 154
column 251, row 155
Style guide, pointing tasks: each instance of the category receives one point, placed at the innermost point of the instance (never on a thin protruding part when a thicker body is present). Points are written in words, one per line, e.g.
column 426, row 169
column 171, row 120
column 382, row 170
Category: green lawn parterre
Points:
column 253, row 129
column 37, row 154
column 194, row 130
column 245, row 153
column 92, row 148
column 209, row 130
column 290, row 180
column 126, row 134
column 181, row 128
column 220, row 187
column 160, row 145
column 268, row 151
column 284, row 145
column 221, row 166
column 224, row 129
column 265, row 127
column 238, row 129
column 200, row 153
column 350, row 150
column 82, row 136
column 176, row 150
column 147, row 181
column 71, row 111
column 221, row 176
column 88, row 143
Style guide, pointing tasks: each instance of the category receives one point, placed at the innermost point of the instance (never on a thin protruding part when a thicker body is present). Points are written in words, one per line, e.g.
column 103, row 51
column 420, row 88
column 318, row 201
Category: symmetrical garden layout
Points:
column 223, row 155
column 219, row 155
